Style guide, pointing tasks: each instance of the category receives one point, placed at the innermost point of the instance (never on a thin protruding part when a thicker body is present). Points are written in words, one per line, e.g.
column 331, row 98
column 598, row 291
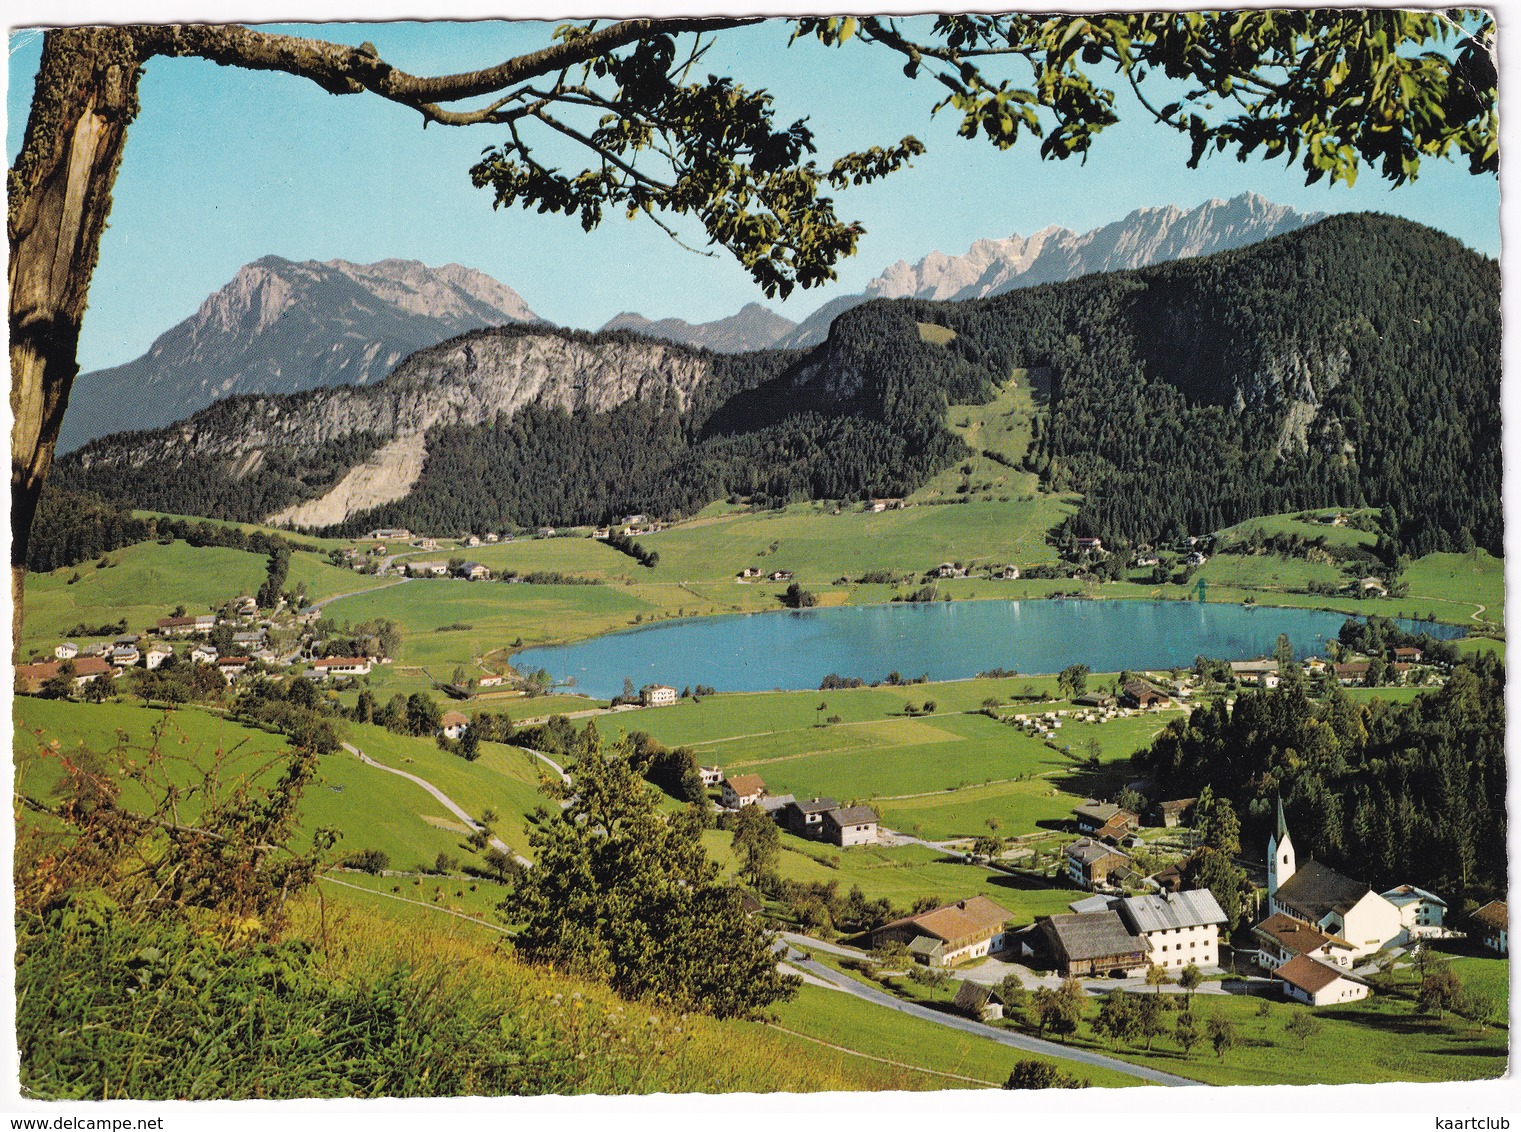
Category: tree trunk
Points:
column 59, row 198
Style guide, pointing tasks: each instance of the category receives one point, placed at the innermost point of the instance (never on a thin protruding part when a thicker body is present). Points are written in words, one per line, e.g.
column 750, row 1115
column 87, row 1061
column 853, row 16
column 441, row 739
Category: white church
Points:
column 1346, row 909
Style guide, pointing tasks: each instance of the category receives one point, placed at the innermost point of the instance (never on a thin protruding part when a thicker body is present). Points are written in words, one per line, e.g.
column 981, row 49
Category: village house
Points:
column 775, row 805
column 1422, row 913
column 1374, row 586
column 231, row 667
column 181, row 626
column 711, row 775
column 806, row 818
column 1094, row 700
column 1178, row 928
column 1170, row 815
column 780, row 576
column 453, row 724
column 156, row 655
column 750, row 572
column 473, row 540
column 1318, row 894
column 328, row 666
column 1280, row 938
column 658, row 695
column 851, row 825
column 1091, row 864
column 950, row 570
column 474, row 571
column 66, row 651
column 125, row 655
column 1315, row 984
column 1095, row 818
column 1169, row 878
column 491, row 680
column 967, row 929
column 400, row 534
column 880, row 505
column 244, row 605
column 1263, row 673
column 742, row 790
column 31, row 677
column 1408, row 655
column 428, row 569
column 1491, row 927
column 1141, row 695
column 1352, row 672
column 1090, row 545
column 1094, row 943
column 546, row 532
column 492, row 536
column 203, row 654
column 426, row 544
column 602, row 533
column 1148, row 560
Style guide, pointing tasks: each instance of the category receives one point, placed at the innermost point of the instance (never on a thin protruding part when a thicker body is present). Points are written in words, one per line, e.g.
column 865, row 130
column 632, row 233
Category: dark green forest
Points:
column 1392, row 792
column 1352, row 363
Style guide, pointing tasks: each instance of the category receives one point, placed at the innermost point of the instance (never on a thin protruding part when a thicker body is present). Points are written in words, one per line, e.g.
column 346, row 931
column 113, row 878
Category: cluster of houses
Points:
column 751, row 573
column 820, row 819
column 470, row 571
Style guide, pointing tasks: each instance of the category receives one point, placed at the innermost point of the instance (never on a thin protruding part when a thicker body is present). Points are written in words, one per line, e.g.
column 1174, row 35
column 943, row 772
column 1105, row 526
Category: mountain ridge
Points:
column 282, row 326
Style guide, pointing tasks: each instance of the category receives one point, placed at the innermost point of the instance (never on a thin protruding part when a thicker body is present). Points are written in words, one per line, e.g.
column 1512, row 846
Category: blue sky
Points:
column 224, row 166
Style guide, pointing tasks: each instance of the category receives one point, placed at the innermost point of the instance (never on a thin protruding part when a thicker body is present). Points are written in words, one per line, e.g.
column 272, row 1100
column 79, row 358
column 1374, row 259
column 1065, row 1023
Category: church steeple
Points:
column 1280, row 854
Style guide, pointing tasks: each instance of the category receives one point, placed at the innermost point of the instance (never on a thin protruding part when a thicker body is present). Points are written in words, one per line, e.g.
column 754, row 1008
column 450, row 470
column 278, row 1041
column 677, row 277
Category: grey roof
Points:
column 974, row 996
column 1316, row 890
column 1087, row 852
column 1094, row 904
column 1097, row 811
column 1156, row 913
column 1408, row 893
column 1094, row 935
column 1283, row 826
column 926, row 945
column 817, row 805
column 772, row 804
column 853, row 815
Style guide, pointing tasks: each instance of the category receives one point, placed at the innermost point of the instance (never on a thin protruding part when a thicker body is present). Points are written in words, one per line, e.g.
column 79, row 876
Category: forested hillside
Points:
column 1351, row 363
column 1354, row 362
column 1396, row 792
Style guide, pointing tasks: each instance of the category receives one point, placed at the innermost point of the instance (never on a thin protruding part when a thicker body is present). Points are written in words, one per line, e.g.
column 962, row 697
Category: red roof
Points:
column 83, row 666
column 332, row 661
column 1306, row 974
column 230, row 660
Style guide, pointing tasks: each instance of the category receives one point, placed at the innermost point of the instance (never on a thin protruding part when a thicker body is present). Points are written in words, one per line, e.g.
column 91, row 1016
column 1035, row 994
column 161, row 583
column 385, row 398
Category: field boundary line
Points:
column 419, row 903
column 886, row 1060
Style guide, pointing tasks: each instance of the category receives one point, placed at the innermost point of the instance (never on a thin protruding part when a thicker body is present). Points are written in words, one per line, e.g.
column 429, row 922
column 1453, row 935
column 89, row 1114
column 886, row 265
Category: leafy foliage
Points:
column 624, row 894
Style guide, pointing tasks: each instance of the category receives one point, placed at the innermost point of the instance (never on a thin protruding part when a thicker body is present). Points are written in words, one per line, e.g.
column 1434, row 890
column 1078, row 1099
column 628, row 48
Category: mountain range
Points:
column 281, row 327
column 1351, row 362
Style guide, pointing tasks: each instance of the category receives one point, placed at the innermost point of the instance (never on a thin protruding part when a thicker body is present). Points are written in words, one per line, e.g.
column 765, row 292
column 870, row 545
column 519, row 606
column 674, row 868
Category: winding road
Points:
column 447, row 802
column 966, row 1025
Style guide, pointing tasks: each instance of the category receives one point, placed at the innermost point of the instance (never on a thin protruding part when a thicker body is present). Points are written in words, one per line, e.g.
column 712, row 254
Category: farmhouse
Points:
column 1178, row 928
column 324, row 667
column 1093, row 816
column 775, row 806
column 125, row 655
column 1421, row 912
column 384, row 533
column 1280, row 938
column 949, row 570
column 742, row 790
column 750, row 572
column 156, row 655
column 474, row 571
column 231, row 667
column 1008, row 574
column 1094, row 943
column 428, row 569
column 1142, row 695
column 1094, row 545
column 806, row 819
column 1170, row 815
column 203, row 654
column 66, row 651
column 179, row 626
column 1263, row 673
column 1094, row 700
column 711, row 775
column 1352, row 672
column 1315, row 984
column 851, row 825
column 1491, row 925
column 658, row 695
column 453, row 724
column 31, row 677
column 1091, row 863
column 966, row 929
column 780, row 576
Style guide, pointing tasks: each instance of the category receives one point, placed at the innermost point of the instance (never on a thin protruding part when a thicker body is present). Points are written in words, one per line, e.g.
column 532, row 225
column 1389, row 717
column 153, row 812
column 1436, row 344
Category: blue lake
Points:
column 757, row 652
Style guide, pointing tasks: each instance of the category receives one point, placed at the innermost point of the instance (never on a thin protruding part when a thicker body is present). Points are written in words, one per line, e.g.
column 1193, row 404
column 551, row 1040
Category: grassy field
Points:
column 147, row 581
column 842, row 1019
